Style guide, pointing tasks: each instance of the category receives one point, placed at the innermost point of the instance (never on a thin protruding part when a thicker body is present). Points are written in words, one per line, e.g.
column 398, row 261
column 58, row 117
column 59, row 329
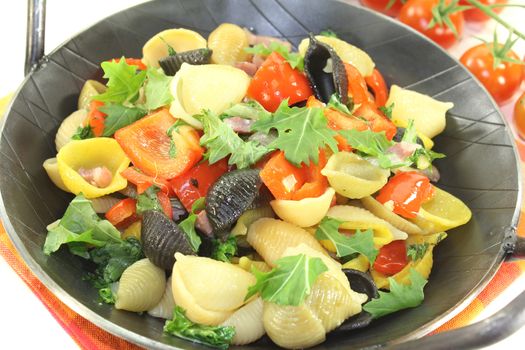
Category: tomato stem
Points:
column 488, row 11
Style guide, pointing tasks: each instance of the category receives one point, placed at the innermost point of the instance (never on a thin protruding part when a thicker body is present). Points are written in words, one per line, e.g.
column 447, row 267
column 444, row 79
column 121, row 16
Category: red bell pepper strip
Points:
column 377, row 83
column 121, row 211
column 95, row 118
column 143, row 181
column 392, row 258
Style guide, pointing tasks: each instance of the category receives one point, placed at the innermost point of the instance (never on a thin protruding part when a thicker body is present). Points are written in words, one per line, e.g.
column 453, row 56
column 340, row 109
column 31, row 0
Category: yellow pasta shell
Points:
column 432, row 239
column 248, row 322
column 271, row 237
column 69, row 127
column 353, row 177
column 249, row 217
column 88, row 154
column 247, row 264
column 91, row 88
column 445, row 211
column 359, row 263
column 164, row 308
column 51, row 167
column 179, row 39
column 379, row 210
column 133, row 230
column 228, row 42
column 213, row 87
column 141, row 286
column 305, row 212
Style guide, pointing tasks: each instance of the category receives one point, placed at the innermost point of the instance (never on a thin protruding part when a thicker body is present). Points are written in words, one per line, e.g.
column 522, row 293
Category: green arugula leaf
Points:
column 294, row 58
column 301, row 132
column 423, row 157
column 119, row 116
column 157, row 89
column 219, row 337
column 171, row 50
column 107, row 296
column 417, row 251
column 400, row 296
column 148, row 200
column 360, row 242
column 328, row 33
column 220, row 141
column 410, row 134
column 123, row 84
column 371, row 143
column 224, row 251
column 387, row 110
column 289, row 282
column 188, row 225
column 336, row 104
column 82, row 133
column 247, row 110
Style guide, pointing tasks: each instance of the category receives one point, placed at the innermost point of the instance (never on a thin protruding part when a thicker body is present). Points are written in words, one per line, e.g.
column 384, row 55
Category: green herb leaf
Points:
column 82, row 133
column 220, row 141
column 400, row 296
column 188, row 225
column 289, row 282
column 368, row 142
column 301, row 132
column 106, row 295
column 387, row 110
column 294, row 59
column 410, row 134
column 171, row 50
column 149, row 201
column 123, row 84
column 180, row 326
column 224, row 251
column 248, row 110
column 329, row 33
column 336, row 103
column 417, row 251
column 360, row 242
column 157, row 89
column 119, row 116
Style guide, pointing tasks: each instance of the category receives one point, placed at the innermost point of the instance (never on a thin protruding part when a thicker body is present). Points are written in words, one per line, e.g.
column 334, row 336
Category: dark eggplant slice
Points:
column 162, row 238
column 178, row 211
column 360, row 282
column 172, row 64
column 325, row 71
column 399, row 135
column 230, row 196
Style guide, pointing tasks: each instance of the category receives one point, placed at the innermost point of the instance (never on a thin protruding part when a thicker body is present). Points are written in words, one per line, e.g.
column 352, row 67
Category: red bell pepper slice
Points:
column 143, row 181
column 377, row 83
column 120, row 212
column 392, row 258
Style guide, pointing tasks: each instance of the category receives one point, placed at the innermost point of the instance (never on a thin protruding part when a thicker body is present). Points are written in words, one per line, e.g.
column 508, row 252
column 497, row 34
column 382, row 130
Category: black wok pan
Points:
column 481, row 166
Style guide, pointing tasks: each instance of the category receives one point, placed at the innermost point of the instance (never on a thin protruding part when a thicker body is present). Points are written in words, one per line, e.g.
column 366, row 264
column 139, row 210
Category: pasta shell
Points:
column 271, row 237
column 133, row 230
column 91, row 88
column 360, row 263
column 228, row 42
column 102, row 204
column 355, row 218
column 141, row 287
column 164, row 308
column 248, row 322
column 353, row 177
column 292, row 327
column 348, row 53
column 429, row 115
column 88, row 154
column 444, row 211
column 247, row 264
column 305, row 212
column 69, row 127
column 51, row 167
column 211, row 87
column 379, row 210
column 215, row 285
column 248, row 218
column 179, row 39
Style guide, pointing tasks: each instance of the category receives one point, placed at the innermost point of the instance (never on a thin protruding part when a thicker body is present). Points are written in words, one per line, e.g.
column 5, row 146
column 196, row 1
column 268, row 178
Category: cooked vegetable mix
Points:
column 248, row 189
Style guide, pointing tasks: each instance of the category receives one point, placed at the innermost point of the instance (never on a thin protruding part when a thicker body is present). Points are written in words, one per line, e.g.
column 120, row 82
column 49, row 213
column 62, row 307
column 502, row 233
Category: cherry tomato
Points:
column 377, row 83
column 95, row 118
column 406, row 191
column 476, row 15
column 519, row 115
column 148, row 146
column 143, row 181
column 418, row 14
column 195, row 183
column 381, row 6
column 275, row 81
column 392, row 258
column 501, row 82
column 121, row 211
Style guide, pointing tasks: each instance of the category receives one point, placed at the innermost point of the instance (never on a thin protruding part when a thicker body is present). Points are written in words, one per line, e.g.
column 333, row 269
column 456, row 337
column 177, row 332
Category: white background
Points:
column 24, row 321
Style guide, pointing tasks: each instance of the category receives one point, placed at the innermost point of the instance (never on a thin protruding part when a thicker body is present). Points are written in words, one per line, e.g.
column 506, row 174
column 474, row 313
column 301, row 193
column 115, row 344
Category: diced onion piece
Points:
column 305, row 212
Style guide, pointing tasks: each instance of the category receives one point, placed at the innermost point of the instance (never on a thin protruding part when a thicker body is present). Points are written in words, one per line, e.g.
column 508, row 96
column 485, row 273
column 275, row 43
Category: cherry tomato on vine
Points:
column 418, row 14
column 381, row 6
column 519, row 115
column 476, row 15
column 392, row 258
column 501, row 82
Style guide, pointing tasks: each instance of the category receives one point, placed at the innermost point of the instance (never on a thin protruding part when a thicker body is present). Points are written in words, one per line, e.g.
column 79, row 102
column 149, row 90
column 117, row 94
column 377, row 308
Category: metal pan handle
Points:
column 35, row 40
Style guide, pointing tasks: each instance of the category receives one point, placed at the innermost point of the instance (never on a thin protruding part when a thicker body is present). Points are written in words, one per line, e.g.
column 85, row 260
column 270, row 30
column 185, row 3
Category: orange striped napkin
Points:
column 89, row 336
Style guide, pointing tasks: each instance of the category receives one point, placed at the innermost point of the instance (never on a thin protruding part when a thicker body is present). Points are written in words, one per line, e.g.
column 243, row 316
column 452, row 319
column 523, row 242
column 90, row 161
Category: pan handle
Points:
column 35, row 41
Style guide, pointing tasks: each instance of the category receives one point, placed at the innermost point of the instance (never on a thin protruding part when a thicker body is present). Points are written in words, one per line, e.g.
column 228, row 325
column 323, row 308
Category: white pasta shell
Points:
column 102, row 204
column 353, row 177
column 213, row 87
column 51, row 167
column 379, row 210
column 179, row 39
column 249, row 217
column 228, row 42
column 248, row 322
column 271, row 237
column 164, row 309
column 91, row 88
column 141, row 286
column 69, row 127
column 292, row 327
column 348, row 53
column 305, row 212
column 429, row 115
